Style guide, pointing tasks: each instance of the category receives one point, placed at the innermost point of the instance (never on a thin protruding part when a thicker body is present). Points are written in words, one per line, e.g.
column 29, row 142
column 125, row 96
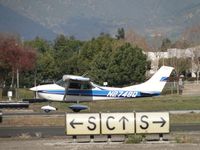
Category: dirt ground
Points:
column 60, row 144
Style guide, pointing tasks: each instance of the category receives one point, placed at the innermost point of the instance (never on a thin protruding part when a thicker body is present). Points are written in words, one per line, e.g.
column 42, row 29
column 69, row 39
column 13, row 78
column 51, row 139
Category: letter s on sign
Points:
column 146, row 124
column 92, row 123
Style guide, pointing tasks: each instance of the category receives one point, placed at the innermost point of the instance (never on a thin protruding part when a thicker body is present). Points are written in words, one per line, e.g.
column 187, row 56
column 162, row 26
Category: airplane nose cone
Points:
column 33, row 88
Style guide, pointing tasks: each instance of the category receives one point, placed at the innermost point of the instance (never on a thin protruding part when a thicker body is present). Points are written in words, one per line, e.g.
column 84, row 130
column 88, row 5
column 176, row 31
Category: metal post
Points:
column 91, row 138
column 1, row 116
column 161, row 137
column 74, row 139
column 125, row 138
column 109, row 138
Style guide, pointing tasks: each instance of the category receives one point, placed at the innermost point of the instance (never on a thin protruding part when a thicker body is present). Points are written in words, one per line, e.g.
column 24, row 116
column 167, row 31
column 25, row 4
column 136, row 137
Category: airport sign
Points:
column 152, row 122
column 117, row 123
column 82, row 124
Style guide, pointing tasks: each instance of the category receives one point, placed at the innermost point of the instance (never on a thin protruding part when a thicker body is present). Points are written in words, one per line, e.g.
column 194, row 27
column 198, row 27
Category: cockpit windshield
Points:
column 60, row 83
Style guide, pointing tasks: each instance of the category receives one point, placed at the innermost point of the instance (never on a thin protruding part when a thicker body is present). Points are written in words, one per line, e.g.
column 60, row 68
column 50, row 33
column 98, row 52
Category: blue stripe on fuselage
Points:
column 102, row 93
column 78, row 92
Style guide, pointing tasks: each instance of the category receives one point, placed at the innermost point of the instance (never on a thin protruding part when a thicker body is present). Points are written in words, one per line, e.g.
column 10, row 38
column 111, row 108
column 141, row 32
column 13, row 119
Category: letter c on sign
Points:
column 107, row 123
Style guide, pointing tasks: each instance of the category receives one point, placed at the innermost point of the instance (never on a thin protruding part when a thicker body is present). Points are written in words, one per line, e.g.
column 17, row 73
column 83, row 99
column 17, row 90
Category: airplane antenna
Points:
column 84, row 74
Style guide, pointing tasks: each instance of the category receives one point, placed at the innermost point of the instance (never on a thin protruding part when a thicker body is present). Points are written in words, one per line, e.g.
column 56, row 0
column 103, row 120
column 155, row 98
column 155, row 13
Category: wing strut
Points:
column 66, row 85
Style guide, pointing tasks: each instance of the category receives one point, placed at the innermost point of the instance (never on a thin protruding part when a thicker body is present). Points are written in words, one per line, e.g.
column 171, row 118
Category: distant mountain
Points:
column 11, row 21
column 88, row 18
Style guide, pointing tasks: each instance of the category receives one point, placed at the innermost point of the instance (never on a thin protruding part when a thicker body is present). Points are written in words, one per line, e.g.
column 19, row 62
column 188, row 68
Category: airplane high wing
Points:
column 77, row 78
column 77, row 88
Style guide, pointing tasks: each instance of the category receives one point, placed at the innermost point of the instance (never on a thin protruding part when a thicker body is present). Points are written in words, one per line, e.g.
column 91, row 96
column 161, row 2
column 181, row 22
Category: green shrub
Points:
column 135, row 138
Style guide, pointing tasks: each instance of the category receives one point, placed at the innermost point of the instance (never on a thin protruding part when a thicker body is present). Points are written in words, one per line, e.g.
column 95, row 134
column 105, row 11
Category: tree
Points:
column 64, row 49
column 191, row 35
column 136, row 40
column 103, row 59
column 196, row 60
column 14, row 57
column 120, row 33
column 155, row 45
column 119, row 67
column 99, row 65
column 38, row 43
column 46, row 66
column 181, row 65
column 181, row 44
column 45, row 63
column 166, row 44
column 90, row 50
column 127, row 65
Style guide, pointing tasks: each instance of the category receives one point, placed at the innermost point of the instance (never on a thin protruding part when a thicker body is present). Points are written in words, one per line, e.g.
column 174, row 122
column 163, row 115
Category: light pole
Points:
column 17, row 94
column 17, row 74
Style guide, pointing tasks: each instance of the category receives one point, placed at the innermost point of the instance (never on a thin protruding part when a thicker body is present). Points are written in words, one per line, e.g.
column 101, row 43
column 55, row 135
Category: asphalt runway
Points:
column 32, row 131
column 7, row 114
column 60, row 131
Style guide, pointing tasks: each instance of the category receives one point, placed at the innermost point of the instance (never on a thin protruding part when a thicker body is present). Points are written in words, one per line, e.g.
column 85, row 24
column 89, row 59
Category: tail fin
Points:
column 156, row 83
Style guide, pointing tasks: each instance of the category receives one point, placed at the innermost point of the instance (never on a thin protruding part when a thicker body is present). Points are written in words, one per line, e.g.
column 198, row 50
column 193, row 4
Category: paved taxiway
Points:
column 46, row 131
column 51, row 144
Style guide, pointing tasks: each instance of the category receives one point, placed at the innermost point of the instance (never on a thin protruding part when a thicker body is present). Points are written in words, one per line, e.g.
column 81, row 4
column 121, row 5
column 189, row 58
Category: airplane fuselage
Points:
column 104, row 93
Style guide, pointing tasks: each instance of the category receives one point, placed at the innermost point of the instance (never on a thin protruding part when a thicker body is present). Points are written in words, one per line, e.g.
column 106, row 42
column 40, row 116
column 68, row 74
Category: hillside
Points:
column 11, row 21
column 88, row 18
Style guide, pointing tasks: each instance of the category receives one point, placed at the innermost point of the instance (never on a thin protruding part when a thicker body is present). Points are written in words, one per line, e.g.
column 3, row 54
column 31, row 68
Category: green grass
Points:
column 22, row 94
column 161, row 103
column 185, row 118
column 25, row 93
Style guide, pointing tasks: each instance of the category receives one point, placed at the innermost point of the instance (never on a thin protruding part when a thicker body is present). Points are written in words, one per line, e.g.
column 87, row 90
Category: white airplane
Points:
column 77, row 88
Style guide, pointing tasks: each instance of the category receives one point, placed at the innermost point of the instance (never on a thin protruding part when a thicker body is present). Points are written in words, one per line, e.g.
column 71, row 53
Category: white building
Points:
column 193, row 53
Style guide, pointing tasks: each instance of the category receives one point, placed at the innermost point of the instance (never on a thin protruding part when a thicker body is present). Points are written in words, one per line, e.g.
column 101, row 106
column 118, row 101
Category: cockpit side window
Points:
column 79, row 85
column 86, row 86
column 74, row 85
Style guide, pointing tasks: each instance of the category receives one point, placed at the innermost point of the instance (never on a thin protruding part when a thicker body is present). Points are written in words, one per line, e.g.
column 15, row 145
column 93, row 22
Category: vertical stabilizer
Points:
column 156, row 83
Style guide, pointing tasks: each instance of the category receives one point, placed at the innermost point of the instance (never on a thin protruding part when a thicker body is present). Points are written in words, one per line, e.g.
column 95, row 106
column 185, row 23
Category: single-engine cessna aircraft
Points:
column 77, row 88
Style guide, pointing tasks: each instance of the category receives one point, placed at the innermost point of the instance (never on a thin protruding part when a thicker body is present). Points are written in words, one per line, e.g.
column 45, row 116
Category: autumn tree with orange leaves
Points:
column 14, row 57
